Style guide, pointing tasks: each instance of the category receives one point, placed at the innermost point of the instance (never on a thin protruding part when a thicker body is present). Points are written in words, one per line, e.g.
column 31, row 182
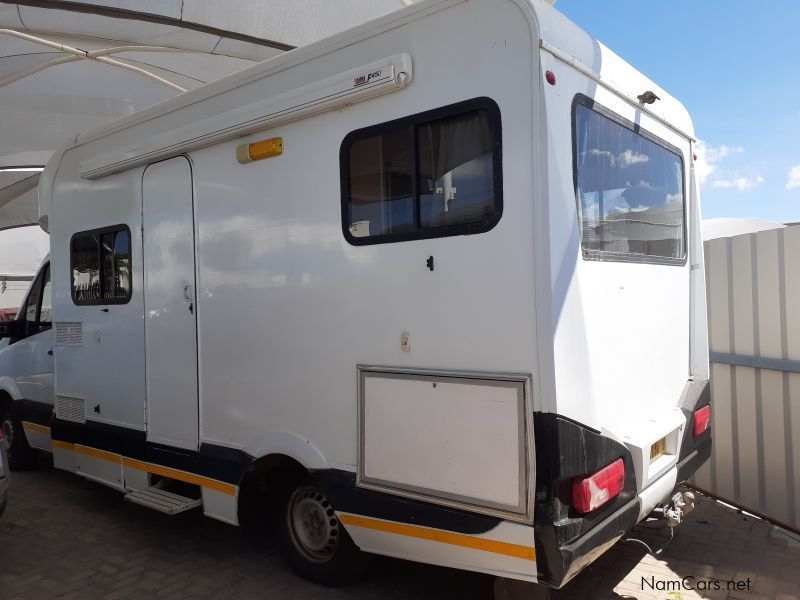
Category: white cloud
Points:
column 631, row 157
column 708, row 158
column 740, row 183
column 793, row 179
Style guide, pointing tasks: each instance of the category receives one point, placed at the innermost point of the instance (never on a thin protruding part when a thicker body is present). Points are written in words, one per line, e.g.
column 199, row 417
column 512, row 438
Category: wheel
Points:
column 20, row 455
column 313, row 541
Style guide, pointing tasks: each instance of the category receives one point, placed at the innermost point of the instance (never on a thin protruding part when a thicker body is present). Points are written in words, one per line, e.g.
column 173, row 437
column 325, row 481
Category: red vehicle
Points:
column 8, row 314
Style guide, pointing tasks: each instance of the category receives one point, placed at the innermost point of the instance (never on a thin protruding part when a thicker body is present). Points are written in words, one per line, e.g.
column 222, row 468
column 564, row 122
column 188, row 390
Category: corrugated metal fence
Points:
column 754, row 335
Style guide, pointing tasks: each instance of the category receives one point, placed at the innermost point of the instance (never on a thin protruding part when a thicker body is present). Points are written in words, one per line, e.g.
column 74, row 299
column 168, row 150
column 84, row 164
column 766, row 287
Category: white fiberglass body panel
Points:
column 323, row 306
column 105, row 368
column 622, row 338
column 286, row 307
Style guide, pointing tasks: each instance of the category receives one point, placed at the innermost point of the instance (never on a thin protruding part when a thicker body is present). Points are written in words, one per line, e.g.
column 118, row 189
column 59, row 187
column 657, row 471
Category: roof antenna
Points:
column 648, row 97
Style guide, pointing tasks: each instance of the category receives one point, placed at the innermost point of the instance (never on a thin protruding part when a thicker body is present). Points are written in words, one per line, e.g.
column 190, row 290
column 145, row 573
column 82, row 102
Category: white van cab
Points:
column 26, row 374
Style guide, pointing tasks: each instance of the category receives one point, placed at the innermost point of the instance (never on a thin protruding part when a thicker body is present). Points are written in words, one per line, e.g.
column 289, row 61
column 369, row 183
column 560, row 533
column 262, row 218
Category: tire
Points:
column 20, row 455
column 313, row 541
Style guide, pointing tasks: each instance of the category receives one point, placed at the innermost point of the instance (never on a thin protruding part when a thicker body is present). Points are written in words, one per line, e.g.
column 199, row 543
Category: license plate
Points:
column 658, row 449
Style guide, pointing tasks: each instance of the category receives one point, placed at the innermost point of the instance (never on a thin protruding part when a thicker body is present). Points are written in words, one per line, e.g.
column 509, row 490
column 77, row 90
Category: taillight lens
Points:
column 702, row 420
column 590, row 493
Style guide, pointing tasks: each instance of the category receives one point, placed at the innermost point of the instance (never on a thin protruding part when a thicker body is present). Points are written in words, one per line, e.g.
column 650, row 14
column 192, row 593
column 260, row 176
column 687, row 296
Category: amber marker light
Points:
column 246, row 153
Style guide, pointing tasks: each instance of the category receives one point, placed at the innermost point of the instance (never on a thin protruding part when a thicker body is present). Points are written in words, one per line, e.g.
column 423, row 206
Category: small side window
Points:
column 36, row 311
column 429, row 175
column 32, row 302
column 46, row 309
column 101, row 266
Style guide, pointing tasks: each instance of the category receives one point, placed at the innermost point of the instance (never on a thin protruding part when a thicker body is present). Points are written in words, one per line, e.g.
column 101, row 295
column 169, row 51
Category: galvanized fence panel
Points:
column 753, row 285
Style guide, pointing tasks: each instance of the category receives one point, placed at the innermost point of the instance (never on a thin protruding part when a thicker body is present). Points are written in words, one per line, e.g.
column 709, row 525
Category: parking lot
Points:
column 63, row 537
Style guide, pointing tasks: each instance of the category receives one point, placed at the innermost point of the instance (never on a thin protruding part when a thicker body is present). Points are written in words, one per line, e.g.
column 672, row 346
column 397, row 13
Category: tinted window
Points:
column 37, row 309
column 456, row 166
column 46, row 309
column 101, row 262
column 381, row 197
column 630, row 191
column 433, row 174
column 115, row 252
column 32, row 302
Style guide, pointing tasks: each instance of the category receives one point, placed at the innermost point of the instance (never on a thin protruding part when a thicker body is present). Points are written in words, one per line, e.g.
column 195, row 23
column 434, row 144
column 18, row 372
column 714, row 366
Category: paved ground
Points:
column 63, row 537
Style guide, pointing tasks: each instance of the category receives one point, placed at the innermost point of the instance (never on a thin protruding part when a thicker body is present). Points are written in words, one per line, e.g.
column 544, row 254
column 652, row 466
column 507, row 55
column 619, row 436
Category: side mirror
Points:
column 12, row 329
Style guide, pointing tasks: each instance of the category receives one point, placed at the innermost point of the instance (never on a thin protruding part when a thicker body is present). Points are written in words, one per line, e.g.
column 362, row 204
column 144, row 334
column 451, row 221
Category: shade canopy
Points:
column 69, row 66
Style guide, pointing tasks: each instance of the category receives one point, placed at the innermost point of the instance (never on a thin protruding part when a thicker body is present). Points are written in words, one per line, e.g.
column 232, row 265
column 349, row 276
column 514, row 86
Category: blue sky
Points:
column 733, row 64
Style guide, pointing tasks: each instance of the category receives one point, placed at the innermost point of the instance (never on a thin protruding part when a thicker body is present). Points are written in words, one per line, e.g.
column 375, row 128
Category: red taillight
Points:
column 702, row 420
column 589, row 493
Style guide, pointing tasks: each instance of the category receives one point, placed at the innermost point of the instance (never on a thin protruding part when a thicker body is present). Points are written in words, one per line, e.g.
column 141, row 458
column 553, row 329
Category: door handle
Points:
column 187, row 296
column 50, row 352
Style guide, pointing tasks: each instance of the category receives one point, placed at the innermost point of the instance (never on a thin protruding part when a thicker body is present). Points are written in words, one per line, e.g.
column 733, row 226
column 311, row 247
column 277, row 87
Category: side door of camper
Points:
column 170, row 305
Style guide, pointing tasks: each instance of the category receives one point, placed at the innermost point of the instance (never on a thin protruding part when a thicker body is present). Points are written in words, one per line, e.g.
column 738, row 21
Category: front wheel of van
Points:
column 20, row 455
column 313, row 541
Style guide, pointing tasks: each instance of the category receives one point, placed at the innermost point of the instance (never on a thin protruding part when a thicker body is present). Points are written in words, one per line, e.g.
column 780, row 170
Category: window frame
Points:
column 35, row 326
column 605, row 255
column 411, row 123
column 100, row 231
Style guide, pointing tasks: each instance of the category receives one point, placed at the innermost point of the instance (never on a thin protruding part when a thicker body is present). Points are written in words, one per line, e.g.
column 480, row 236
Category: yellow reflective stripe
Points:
column 102, row 454
column 28, row 426
column 213, row 484
column 444, row 537
column 63, row 445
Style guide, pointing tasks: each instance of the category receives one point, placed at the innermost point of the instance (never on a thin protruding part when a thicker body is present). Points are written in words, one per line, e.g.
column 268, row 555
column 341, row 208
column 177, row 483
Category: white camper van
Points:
column 431, row 288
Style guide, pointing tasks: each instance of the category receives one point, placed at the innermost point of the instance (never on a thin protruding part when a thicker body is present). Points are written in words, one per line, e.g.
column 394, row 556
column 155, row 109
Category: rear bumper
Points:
column 565, row 542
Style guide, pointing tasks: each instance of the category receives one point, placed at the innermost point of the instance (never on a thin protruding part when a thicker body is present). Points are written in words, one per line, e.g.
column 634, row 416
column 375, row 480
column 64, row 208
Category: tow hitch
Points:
column 675, row 512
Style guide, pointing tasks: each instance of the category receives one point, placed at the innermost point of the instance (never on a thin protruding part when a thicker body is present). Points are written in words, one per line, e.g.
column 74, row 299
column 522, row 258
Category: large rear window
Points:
column 629, row 187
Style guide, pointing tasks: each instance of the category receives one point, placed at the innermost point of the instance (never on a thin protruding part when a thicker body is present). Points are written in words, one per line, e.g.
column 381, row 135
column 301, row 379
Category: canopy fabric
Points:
column 18, row 198
column 70, row 66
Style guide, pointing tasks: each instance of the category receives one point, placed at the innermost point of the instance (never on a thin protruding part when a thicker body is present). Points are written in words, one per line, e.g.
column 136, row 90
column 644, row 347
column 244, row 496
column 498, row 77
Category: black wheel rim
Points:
column 8, row 433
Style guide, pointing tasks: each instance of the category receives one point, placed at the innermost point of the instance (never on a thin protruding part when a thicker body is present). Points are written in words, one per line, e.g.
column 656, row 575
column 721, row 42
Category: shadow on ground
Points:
column 64, row 537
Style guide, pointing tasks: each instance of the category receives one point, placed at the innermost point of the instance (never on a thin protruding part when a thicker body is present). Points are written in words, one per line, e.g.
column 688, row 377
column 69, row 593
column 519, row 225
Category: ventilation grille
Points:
column 69, row 333
column 71, row 409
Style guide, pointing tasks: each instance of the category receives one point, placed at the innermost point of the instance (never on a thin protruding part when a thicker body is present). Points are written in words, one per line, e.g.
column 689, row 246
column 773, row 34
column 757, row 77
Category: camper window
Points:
column 429, row 175
column 630, row 191
column 101, row 261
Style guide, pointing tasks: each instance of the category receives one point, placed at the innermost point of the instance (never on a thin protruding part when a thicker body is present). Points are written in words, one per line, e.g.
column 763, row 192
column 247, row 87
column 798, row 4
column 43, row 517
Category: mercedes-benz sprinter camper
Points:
column 431, row 288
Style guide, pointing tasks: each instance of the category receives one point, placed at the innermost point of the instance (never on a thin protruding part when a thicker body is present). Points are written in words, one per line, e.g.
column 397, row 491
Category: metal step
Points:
column 162, row 501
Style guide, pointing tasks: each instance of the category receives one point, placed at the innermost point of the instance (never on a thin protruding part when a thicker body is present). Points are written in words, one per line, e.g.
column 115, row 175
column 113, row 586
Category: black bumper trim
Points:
column 692, row 461
column 32, row 411
column 589, row 547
